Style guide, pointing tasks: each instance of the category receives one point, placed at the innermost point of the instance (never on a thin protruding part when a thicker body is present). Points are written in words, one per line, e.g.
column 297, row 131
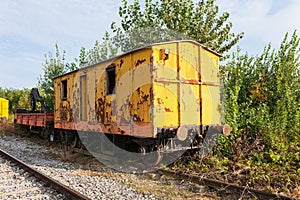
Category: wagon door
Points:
column 83, row 98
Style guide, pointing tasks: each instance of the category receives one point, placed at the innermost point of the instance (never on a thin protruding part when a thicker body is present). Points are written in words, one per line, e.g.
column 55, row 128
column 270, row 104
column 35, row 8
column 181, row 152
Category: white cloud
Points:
column 29, row 29
column 262, row 21
column 45, row 22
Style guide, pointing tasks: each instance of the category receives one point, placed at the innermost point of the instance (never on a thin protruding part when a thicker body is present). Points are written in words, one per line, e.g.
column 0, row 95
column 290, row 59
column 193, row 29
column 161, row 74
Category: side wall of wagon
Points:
column 111, row 97
column 125, row 108
column 63, row 101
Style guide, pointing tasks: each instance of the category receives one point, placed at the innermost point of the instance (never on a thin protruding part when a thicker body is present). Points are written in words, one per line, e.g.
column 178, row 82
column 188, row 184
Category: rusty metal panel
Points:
column 189, row 104
column 126, row 111
column 210, row 89
column 109, row 103
column 100, row 96
column 189, row 73
column 123, row 90
column 165, row 100
column 189, row 62
column 63, row 110
column 211, row 109
column 209, row 67
column 109, row 113
column 165, row 70
column 56, row 99
column 79, row 102
column 105, row 102
column 34, row 119
column 165, row 85
column 141, row 86
column 140, row 104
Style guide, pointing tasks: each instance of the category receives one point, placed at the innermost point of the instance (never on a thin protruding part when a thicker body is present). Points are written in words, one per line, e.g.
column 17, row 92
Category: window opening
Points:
column 111, row 79
column 64, row 90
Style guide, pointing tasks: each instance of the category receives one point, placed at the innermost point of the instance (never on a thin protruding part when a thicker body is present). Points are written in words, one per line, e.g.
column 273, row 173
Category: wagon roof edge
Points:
column 3, row 99
column 140, row 48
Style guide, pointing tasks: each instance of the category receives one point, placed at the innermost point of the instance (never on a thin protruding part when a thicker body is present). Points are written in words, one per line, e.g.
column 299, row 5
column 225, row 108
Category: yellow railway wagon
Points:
column 164, row 92
column 4, row 108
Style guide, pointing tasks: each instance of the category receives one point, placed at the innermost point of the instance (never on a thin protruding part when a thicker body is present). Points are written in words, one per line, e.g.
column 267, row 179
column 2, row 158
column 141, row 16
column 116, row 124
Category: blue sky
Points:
column 30, row 28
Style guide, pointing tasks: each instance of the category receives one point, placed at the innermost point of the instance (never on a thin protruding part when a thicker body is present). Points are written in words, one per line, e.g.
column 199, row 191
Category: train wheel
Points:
column 71, row 138
column 63, row 137
column 159, row 159
column 45, row 134
column 142, row 150
column 51, row 135
column 48, row 134
column 152, row 159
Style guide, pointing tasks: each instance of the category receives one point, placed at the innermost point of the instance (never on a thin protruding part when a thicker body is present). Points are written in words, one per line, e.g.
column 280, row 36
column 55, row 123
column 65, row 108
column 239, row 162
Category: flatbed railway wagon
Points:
column 33, row 120
column 37, row 121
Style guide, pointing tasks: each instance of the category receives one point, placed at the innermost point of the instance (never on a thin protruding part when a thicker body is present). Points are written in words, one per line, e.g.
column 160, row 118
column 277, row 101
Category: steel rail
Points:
column 70, row 193
column 220, row 184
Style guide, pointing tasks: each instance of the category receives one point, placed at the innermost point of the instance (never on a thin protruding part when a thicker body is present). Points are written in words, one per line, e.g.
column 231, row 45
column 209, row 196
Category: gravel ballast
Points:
column 73, row 175
column 94, row 180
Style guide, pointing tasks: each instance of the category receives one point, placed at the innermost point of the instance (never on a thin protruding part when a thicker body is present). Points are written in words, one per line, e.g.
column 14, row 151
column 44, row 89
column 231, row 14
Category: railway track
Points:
column 220, row 185
column 19, row 180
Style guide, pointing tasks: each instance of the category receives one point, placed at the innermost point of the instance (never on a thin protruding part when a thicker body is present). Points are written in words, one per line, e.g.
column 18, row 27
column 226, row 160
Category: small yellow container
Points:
column 4, row 108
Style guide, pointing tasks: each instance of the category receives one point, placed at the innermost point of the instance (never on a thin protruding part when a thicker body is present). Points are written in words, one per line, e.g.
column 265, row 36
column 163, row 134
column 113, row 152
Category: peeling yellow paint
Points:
column 180, row 87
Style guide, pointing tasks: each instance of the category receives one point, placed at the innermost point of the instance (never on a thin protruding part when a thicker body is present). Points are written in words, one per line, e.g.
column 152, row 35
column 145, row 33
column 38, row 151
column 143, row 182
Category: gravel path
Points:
column 75, row 176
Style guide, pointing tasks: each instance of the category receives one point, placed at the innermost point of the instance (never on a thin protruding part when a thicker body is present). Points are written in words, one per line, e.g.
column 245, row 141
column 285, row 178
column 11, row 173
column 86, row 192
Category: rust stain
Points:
column 138, row 62
column 159, row 101
column 168, row 110
column 124, row 109
column 66, row 112
column 136, row 118
column 143, row 96
column 108, row 113
column 100, row 109
column 192, row 81
column 121, row 62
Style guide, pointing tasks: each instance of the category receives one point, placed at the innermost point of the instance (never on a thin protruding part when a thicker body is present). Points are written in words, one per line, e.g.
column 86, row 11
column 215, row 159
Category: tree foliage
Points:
column 100, row 51
column 153, row 21
column 53, row 66
column 263, row 99
column 164, row 20
column 18, row 98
